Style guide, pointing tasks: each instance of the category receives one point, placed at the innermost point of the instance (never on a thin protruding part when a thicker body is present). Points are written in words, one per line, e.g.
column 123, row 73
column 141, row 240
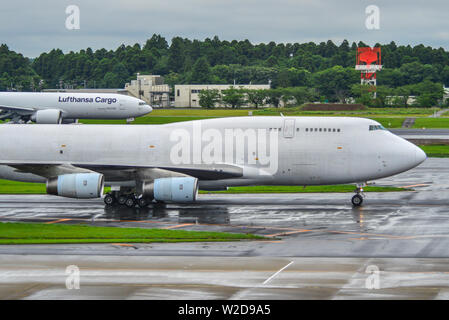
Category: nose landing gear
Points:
column 357, row 200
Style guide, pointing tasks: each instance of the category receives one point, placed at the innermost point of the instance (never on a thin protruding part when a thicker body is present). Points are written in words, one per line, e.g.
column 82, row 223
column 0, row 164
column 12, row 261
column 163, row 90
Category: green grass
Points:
column 198, row 112
column 14, row 187
column 400, row 112
column 436, row 151
column 145, row 120
column 301, row 189
column 431, row 123
column 38, row 233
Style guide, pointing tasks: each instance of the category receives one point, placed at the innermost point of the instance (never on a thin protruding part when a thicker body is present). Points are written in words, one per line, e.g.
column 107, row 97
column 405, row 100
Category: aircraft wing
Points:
column 8, row 112
column 49, row 170
column 125, row 173
column 212, row 172
column 19, row 110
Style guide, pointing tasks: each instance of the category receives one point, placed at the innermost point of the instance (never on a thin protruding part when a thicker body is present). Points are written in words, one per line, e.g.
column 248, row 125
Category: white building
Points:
column 151, row 89
column 186, row 95
column 389, row 100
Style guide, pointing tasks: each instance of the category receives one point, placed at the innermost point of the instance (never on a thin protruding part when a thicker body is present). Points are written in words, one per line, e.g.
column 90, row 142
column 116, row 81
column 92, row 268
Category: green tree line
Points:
column 326, row 67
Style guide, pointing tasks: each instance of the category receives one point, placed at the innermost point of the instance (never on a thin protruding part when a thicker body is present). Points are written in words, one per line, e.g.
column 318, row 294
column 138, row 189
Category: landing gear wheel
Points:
column 143, row 202
column 357, row 200
column 130, row 202
column 121, row 199
column 109, row 200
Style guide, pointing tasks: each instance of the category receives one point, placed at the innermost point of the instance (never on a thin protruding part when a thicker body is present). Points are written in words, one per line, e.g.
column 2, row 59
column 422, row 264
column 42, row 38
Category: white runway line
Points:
column 239, row 295
column 279, row 271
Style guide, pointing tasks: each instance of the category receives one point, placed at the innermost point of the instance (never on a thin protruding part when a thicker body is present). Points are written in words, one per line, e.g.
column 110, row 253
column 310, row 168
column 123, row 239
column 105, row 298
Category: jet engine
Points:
column 176, row 189
column 77, row 185
column 47, row 116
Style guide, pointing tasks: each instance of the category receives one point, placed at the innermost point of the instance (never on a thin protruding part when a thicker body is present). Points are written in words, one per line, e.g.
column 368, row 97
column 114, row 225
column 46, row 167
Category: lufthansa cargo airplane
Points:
column 170, row 162
column 59, row 107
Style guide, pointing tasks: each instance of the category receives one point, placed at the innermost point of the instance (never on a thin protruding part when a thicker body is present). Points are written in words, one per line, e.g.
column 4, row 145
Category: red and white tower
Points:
column 368, row 63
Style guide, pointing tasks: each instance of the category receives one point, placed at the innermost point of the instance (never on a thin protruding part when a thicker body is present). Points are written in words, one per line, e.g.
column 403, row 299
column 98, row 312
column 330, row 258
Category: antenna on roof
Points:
column 281, row 114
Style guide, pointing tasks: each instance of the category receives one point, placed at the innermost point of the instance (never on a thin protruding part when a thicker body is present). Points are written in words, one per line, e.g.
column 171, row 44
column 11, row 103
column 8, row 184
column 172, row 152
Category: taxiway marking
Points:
column 57, row 221
column 178, row 226
column 287, row 233
column 123, row 245
column 416, row 185
column 279, row 271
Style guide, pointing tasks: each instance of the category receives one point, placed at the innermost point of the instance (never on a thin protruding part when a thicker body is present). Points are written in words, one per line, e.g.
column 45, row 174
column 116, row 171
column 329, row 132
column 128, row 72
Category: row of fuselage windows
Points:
column 322, row 130
column 371, row 128
column 313, row 129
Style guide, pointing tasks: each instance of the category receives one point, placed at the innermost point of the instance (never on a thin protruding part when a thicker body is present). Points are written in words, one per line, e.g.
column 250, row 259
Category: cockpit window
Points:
column 142, row 103
column 376, row 127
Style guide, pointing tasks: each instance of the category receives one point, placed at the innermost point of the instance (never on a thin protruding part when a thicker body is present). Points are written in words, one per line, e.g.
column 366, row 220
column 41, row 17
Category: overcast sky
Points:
column 39, row 26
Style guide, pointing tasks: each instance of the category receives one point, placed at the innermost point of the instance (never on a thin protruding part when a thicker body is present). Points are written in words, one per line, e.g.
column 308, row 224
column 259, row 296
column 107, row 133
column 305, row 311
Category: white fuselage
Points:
column 270, row 150
column 79, row 105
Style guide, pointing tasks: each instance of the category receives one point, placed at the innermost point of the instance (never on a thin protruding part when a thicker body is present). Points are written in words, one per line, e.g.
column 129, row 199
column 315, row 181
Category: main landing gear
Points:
column 357, row 200
column 130, row 200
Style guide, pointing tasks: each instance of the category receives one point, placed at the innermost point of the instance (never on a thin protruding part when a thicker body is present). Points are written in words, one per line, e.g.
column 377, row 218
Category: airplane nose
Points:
column 420, row 155
column 146, row 109
column 400, row 155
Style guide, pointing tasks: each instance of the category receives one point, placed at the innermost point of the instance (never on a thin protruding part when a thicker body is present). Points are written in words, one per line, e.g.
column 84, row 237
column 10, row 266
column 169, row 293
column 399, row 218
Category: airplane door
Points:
column 289, row 128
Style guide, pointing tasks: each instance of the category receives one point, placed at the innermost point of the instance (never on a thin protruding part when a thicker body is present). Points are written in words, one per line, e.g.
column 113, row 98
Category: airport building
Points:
column 390, row 100
column 187, row 95
column 151, row 89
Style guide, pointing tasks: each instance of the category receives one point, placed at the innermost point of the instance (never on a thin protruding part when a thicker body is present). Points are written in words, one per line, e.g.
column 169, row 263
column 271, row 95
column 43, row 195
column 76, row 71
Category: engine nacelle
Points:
column 47, row 116
column 176, row 189
column 77, row 185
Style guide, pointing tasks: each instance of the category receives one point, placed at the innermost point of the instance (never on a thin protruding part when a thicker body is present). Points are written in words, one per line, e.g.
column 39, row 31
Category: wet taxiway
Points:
column 398, row 224
column 203, row 278
column 405, row 234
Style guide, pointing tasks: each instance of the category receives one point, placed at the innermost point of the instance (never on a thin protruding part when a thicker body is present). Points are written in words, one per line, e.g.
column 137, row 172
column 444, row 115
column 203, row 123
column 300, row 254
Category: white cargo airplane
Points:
column 60, row 107
column 170, row 162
